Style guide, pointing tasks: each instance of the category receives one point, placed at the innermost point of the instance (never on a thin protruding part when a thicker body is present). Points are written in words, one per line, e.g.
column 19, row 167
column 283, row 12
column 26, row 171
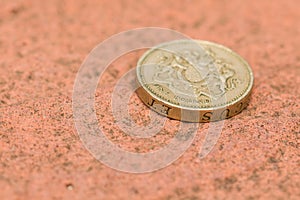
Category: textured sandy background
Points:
column 42, row 45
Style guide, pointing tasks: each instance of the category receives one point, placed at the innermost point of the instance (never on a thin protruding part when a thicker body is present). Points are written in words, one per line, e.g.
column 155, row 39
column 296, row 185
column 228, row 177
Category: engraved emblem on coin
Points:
column 208, row 76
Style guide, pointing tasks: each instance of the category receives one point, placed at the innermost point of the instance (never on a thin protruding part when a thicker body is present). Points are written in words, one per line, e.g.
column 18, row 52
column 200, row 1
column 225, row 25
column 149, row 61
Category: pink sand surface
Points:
column 42, row 45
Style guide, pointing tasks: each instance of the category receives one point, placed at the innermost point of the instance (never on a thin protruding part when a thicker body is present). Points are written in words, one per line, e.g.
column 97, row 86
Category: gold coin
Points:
column 195, row 81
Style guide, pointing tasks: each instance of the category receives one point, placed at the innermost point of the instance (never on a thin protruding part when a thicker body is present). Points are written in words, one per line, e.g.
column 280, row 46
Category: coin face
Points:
column 193, row 80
